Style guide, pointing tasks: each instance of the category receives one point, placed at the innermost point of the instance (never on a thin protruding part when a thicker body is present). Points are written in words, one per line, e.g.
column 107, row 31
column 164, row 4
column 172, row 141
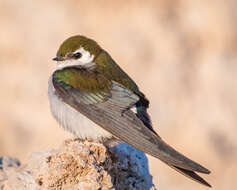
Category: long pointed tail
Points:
column 191, row 175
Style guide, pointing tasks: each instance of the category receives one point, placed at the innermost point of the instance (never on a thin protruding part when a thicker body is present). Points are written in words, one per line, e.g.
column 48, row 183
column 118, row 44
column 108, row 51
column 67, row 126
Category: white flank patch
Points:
column 134, row 109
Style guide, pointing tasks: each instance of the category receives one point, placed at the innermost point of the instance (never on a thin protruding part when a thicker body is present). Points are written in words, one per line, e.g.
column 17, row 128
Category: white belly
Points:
column 72, row 120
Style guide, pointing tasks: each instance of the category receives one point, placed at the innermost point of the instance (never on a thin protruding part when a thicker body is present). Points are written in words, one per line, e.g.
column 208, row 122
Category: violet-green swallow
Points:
column 93, row 98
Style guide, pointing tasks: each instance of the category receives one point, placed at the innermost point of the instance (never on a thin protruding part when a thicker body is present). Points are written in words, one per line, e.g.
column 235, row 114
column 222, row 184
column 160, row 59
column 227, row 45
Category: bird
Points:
column 92, row 97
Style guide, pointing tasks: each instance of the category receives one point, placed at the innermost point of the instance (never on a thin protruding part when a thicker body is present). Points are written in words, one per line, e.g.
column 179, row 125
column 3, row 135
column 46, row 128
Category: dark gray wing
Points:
column 111, row 112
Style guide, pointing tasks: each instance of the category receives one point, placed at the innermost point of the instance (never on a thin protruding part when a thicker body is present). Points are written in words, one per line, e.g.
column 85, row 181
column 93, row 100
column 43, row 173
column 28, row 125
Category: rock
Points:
column 7, row 165
column 81, row 165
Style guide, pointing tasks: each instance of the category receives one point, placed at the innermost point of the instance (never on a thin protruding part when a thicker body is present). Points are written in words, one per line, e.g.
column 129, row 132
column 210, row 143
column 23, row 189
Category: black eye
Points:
column 77, row 55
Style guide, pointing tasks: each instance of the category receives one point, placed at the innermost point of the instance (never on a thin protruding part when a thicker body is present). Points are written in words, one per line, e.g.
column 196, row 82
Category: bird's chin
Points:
column 66, row 63
column 74, row 64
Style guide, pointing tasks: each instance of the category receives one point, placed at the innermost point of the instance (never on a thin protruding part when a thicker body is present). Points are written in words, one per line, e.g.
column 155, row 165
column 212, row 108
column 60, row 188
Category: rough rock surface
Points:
column 81, row 165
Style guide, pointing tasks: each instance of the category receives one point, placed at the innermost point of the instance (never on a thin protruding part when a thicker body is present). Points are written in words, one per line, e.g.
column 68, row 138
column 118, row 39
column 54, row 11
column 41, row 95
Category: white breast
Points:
column 72, row 120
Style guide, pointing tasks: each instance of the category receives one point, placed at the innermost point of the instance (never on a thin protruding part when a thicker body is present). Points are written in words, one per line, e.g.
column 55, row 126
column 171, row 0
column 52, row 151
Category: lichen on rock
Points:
column 82, row 165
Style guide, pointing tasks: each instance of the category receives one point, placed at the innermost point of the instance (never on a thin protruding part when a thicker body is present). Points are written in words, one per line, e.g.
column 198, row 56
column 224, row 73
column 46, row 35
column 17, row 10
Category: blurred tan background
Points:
column 181, row 53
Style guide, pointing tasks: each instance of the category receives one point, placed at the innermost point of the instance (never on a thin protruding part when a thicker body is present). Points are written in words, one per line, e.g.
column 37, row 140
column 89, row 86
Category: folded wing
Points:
column 111, row 110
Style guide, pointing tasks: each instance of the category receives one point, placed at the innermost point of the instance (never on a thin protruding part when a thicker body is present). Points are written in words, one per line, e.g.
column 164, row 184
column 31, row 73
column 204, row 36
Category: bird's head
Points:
column 77, row 51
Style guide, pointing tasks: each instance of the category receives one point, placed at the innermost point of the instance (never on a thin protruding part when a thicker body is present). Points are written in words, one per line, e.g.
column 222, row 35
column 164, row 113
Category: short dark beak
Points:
column 58, row 59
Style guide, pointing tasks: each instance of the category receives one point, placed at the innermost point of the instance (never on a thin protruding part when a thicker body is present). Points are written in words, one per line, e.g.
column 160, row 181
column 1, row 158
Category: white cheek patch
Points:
column 86, row 56
column 85, row 60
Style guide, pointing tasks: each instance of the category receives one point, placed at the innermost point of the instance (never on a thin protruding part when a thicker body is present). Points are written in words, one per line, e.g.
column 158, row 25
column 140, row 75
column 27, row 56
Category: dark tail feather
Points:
column 192, row 175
